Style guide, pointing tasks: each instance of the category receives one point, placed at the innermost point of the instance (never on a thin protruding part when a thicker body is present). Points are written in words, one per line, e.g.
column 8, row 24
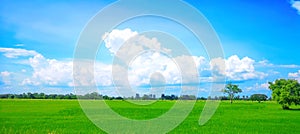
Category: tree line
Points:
column 285, row 91
column 93, row 95
column 97, row 96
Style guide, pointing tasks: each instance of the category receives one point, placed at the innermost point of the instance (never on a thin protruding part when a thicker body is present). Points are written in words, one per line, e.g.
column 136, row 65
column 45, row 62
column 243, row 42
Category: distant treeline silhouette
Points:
column 93, row 95
column 97, row 96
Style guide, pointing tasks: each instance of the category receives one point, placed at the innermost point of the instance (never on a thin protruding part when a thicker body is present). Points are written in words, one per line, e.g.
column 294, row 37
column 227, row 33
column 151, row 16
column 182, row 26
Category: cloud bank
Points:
column 43, row 71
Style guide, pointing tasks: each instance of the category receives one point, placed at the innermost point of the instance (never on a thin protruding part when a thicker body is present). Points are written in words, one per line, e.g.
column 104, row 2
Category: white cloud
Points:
column 52, row 72
column 5, row 74
column 235, row 68
column 146, row 57
column 295, row 75
column 266, row 63
column 49, row 71
column 103, row 75
column 257, row 86
column 142, row 67
column 45, row 71
column 17, row 52
column 296, row 5
column 264, row 86
column 19, row 45
column 116, row 38
column 142, row 55
column 5, row 77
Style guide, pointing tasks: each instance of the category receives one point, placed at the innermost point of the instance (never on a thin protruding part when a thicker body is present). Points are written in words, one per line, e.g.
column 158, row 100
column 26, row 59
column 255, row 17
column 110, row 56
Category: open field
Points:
column 66, row 116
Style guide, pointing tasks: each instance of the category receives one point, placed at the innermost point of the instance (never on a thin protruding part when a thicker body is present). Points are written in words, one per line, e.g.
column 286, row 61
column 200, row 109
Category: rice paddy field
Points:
column 66, row 116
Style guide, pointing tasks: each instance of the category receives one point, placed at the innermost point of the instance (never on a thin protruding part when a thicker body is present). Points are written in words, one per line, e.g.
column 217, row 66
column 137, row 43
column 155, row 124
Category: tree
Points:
column 258, row 97
column 231, row 89
column 285, row 92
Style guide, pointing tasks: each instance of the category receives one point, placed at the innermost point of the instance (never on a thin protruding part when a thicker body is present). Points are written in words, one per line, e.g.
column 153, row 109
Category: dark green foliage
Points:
column 258, row 97
column 187, row 97
column 37, row 96
column 286, row 92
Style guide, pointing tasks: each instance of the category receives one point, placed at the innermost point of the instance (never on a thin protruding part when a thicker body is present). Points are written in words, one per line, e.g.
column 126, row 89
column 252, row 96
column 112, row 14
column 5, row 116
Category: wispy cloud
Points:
column 295, row 75
column 17, row 52
column 257, row 86
column 5, row 77
column 266, row 63
column 20, row 45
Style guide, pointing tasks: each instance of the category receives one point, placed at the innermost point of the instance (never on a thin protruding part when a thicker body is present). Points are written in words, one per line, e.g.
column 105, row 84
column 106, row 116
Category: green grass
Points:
column 66, row 116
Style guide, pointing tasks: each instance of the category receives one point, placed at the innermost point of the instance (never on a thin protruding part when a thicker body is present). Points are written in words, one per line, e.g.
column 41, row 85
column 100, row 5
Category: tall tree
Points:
column 231, row 89
column 285, row 92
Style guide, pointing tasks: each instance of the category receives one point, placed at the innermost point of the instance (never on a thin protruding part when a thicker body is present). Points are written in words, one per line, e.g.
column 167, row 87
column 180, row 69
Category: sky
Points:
column 260, row 41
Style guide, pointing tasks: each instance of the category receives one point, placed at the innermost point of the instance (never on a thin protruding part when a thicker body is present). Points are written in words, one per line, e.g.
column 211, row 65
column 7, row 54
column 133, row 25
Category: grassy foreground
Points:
column 66, row 116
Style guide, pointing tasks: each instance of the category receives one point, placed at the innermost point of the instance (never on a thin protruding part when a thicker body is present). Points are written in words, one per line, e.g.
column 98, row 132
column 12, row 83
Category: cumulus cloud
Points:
column 145, row 65
column 236, row 68
column 296, row 5
column 116, row 38
column 45, row 71
column 143, row 57
column 52, row 72
column 17, row 52
column 49, row 71
column 126, row 44
column 233, row 68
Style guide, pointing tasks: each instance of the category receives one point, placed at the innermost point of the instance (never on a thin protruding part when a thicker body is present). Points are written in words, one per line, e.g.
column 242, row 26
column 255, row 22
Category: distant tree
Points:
column 202, row 98
column 162, row 96
column 187, row 97
column 119, row 98
column 35, row 96
column 237, row 97
column 42, row 96
column 145, row 97
column 30, row 95
column 11, row 96
column 223, row 98
column 258, row 97
column 285, row 92
column 105, row 97
column 137, row 96
column 231, row 89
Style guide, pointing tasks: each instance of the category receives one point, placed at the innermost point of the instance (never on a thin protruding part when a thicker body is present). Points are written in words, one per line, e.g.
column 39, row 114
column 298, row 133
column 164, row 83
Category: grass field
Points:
column 66, row 116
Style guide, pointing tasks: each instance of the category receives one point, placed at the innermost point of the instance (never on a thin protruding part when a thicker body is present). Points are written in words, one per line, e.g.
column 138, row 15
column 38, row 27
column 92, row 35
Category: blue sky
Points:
column 260, row 40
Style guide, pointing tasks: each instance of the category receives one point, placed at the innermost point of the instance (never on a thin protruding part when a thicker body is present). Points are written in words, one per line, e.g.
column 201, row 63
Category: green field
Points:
column 66, row 116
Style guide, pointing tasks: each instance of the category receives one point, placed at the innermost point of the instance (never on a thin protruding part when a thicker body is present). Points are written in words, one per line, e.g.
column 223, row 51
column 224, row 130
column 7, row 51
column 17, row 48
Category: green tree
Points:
column 231, row 89
column 285, row 92
column 258, row 97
